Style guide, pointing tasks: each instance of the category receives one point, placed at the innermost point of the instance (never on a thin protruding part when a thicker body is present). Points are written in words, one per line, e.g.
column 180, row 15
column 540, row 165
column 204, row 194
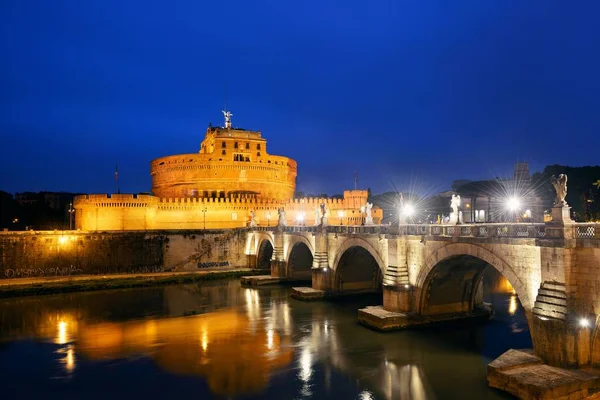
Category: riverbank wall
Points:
column 32, row 254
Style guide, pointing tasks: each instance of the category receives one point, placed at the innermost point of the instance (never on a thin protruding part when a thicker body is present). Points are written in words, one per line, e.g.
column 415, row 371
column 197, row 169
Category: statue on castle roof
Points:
column 227, row 115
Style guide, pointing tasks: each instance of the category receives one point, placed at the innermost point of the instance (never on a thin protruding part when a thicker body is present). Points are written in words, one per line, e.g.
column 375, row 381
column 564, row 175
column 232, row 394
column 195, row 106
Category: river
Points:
column 219, row 340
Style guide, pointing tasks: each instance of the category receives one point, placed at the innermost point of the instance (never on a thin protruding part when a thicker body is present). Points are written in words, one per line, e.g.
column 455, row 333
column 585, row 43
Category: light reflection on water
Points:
column 247, row 342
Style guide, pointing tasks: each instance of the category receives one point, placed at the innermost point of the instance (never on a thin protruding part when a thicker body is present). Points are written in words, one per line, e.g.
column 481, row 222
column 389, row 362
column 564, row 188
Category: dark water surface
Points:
column 218, row 340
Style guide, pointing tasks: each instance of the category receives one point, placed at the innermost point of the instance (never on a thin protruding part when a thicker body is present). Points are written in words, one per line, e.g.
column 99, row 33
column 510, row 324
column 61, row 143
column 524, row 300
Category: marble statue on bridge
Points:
column 317, row 216
column 281, row 221
column 455, row 216
column 324, row 214
column 252, row 219
column 560, row 185
column 369, row 216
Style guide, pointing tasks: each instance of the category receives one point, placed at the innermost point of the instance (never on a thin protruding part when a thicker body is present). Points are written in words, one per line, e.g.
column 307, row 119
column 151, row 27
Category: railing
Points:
column 586, row 231
column 491, row 230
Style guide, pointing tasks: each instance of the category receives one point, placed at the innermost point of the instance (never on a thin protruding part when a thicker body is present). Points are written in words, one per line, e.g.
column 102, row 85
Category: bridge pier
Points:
column 398, row 298
column 321, row 283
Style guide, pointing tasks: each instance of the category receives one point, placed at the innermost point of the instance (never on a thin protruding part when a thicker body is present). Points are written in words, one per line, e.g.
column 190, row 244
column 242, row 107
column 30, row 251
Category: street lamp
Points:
column 341, row 215
column 71, row 210
column 268, row 217
column 513, row 204
column 204, row 212
column 408, row 210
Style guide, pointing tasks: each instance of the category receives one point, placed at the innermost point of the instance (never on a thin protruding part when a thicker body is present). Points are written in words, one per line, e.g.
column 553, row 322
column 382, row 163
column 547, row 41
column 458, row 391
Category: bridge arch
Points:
column 264, row 254
column 467, row 261
column 299, row 258
column 357, row 266
column 261, row 245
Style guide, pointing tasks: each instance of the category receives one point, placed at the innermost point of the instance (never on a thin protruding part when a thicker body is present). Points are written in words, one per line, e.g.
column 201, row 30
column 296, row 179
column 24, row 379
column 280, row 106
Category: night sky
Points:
column 404, row 92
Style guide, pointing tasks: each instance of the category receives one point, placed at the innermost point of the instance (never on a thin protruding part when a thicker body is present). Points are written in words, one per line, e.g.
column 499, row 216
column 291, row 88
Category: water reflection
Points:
column 512, row 305
column 248, row 342
column 218, row 346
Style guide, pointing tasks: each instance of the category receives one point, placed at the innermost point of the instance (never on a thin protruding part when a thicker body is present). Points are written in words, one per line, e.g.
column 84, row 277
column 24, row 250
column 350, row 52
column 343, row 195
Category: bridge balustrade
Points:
column 492, row 230
column 586, row 231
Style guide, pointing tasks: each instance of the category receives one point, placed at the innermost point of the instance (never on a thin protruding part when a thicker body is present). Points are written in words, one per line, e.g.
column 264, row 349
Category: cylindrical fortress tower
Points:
column 232, row 162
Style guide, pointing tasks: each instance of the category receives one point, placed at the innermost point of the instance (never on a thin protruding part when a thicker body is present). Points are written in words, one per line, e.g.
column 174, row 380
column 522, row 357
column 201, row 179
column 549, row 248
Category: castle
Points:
column 230, row 183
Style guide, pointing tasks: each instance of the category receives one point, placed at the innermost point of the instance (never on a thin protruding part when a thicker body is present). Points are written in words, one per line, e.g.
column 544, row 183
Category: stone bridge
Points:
column 434, row 272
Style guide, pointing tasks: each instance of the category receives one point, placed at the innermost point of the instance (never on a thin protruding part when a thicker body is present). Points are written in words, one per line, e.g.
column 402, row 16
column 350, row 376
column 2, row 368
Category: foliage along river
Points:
column 219, row 340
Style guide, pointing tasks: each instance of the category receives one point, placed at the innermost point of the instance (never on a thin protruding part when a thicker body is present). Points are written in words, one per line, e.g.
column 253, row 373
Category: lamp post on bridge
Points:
column 204, row 212
column 341, row 215
column 268, row 217
column 71, row 210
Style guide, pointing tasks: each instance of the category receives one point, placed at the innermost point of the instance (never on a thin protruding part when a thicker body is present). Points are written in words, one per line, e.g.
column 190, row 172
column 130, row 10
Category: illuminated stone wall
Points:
column 66, row 253
column 120, row 212
column 231, row 162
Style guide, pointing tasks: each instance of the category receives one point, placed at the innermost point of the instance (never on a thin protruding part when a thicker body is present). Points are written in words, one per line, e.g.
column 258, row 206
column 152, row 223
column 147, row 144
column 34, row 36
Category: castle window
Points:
column 235, row 145
column 223, row 152
column 258, row 154
column 258, row 146
column 223, row 145
column 247, row 145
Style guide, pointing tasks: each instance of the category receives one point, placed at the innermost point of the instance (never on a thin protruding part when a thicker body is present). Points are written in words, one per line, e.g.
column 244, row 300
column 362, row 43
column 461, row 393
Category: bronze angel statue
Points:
column 560, row 185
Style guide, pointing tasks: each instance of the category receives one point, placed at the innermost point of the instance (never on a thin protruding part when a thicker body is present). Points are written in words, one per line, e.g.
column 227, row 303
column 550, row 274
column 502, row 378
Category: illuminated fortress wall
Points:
column 144, row 212
column 231, row 162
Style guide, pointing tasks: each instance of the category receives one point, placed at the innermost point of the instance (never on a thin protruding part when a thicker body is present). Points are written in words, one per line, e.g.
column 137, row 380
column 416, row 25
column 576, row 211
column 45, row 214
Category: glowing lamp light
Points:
column 408, row 210
column 62, row 240
column 584, row 322
column 340, row 214
column 513, row 204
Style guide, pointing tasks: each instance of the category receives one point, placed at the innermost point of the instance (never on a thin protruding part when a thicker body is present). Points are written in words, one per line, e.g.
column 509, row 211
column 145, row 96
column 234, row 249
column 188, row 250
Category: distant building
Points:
column 521, row 173
column 501, row 200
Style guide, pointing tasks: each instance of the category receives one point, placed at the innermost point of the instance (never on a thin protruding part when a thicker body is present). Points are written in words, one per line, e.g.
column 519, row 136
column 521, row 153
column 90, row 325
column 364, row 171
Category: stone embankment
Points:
column 32, row 254
column 49, row 285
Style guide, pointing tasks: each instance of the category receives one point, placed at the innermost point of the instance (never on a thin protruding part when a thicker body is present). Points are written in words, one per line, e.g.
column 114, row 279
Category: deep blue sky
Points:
column 419, row 92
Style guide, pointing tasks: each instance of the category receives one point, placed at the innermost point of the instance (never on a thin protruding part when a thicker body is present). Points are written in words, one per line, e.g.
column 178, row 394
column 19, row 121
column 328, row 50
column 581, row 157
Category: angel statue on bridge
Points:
column 252, row 219
column 560, row 185
column 455, row 203
column 281, row 213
